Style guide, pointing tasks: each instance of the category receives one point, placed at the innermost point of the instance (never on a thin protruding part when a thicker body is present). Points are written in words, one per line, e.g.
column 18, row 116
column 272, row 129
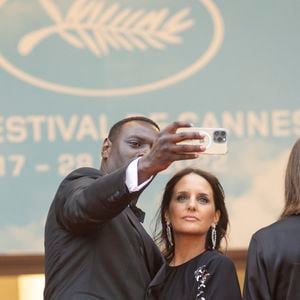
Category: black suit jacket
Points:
column 95, row 247
column 273, row 271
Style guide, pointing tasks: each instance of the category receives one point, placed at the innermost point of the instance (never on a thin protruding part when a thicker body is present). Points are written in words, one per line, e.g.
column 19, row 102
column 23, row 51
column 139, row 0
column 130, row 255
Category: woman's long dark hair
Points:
column 218, row 194
column 292, row 183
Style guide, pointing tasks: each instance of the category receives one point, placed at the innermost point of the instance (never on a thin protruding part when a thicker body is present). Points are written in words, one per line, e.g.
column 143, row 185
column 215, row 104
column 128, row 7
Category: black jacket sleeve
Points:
column 86, row 199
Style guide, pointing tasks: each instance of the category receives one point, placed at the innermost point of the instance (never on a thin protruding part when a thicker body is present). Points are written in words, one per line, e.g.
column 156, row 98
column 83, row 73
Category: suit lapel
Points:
column 159, row 277
column 151, row 253
column 133, row 219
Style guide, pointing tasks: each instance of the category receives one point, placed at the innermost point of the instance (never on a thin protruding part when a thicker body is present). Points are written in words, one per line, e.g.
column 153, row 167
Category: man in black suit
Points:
column 95, row 245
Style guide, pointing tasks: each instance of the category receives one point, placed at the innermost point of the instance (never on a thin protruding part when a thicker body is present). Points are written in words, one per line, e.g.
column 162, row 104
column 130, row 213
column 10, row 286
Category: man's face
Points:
column 134, row 139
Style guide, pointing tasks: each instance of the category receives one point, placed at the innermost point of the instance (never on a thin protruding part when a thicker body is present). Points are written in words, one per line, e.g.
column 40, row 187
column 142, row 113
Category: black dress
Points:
column 209, row 276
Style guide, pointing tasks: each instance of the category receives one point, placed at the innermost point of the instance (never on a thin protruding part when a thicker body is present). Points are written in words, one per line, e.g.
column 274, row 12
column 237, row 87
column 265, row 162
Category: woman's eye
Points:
column 181, row 197
column 203, row 200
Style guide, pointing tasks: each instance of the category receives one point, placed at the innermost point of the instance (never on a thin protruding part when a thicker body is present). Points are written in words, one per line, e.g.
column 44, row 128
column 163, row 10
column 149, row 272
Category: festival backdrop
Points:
column 71, row 69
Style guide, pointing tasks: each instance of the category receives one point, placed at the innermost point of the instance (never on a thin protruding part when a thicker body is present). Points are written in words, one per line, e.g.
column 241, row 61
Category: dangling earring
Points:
column 213, row 236
column 169, row 233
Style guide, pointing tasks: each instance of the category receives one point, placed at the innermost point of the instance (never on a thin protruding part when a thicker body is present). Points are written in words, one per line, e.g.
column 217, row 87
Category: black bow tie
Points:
column 138, row 212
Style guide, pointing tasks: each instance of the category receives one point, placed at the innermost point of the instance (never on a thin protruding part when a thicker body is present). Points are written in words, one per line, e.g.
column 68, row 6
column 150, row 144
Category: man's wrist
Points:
column 132, row 180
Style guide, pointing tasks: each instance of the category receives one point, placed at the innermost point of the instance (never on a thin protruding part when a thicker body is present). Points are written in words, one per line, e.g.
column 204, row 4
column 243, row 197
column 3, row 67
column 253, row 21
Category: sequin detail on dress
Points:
column 201, row 276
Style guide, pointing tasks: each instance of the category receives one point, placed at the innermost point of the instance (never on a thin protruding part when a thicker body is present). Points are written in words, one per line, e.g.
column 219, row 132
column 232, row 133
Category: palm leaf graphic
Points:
column 56, row 16
column 92, row 25
column 52, row 11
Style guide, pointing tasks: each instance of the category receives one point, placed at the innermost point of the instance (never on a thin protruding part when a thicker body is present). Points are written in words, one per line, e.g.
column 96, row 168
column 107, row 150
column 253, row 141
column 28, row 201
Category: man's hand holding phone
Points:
column 215, row 140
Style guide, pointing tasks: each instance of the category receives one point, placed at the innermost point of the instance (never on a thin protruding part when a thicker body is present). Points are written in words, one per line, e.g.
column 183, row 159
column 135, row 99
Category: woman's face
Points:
column 192, row 208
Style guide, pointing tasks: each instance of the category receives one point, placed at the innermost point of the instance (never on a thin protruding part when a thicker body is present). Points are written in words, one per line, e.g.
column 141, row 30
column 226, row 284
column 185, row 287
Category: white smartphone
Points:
column 215, row 139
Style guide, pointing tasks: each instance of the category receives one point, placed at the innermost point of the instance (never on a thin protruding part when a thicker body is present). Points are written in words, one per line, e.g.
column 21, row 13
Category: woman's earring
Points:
column 213, row 236
column 169, row 233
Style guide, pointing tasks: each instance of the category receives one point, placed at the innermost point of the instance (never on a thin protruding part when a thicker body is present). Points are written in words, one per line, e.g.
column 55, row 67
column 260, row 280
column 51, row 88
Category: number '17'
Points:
column 11, row 165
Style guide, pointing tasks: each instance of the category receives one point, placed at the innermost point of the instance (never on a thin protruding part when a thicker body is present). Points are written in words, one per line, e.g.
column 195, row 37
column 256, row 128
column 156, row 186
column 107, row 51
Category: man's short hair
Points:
column 115, row 129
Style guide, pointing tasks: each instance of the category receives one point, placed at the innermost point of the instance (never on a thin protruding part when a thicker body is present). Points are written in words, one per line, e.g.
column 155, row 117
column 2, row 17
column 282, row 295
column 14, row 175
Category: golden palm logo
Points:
column 102, row 28
column 91, row 25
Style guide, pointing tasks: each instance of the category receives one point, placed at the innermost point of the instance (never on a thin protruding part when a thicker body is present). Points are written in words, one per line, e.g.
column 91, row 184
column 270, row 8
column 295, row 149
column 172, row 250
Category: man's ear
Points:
column 106, row 147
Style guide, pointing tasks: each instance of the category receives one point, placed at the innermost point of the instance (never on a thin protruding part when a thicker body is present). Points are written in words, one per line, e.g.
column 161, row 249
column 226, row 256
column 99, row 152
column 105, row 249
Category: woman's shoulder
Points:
column 213, row 260
column 214, row 269
column 214, row 256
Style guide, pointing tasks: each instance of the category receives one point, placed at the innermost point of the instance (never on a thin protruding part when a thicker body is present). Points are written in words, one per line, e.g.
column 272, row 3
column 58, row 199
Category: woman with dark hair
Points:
column 273, row 266
column 193, row 221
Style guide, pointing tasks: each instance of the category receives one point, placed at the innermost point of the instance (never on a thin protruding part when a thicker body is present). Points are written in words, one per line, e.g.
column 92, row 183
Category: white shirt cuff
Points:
column 131, row 180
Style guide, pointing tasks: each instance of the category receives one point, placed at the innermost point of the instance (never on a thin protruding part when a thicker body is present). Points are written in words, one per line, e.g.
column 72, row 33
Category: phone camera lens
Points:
column 220, row 136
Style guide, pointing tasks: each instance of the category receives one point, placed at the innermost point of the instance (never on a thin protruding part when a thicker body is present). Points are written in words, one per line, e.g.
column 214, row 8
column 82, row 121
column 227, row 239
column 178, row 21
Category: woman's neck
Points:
column 187, row 248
